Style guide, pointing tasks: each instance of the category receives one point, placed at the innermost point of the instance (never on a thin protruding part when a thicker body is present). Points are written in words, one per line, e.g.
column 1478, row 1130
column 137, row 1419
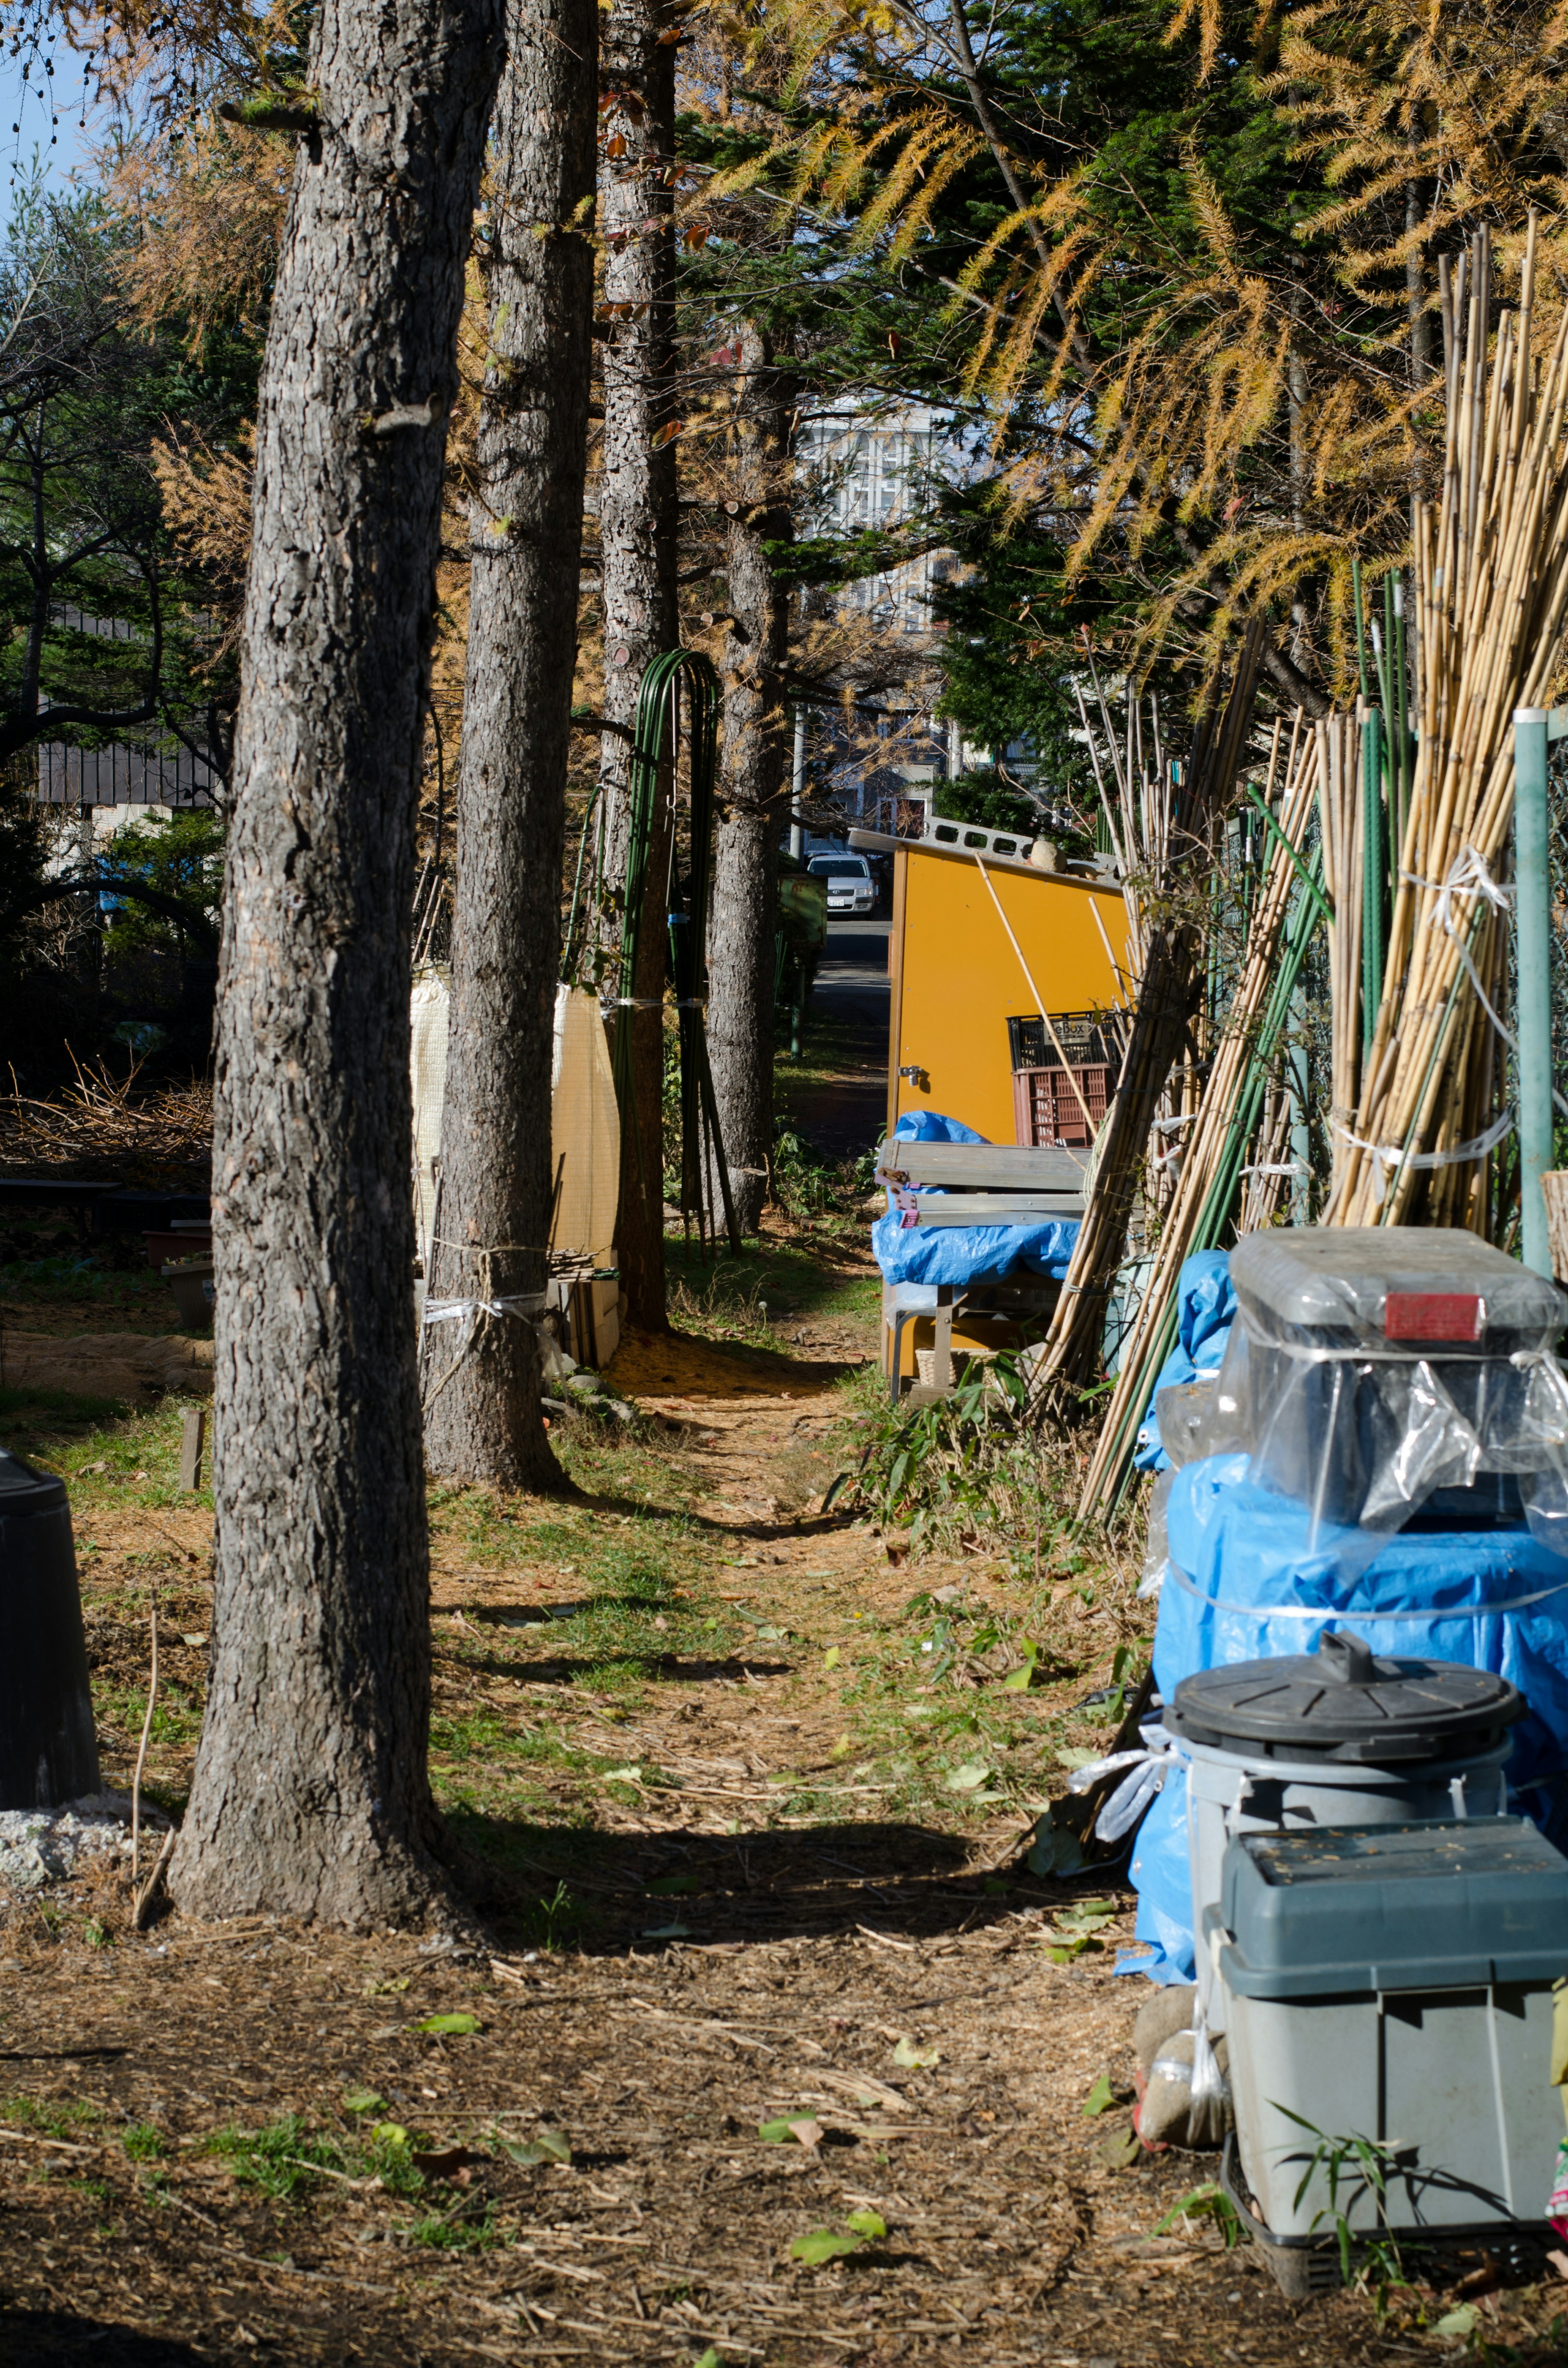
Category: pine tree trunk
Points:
column 311, row 1796
column 741, row 956
column 637, row 545
column 482, row 1404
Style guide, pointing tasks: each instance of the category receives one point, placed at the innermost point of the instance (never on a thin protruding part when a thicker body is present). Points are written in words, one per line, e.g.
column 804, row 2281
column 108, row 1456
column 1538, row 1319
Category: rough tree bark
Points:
column 637, row 546
column 752, row 785
column 481, row 1404
column 311, row 1796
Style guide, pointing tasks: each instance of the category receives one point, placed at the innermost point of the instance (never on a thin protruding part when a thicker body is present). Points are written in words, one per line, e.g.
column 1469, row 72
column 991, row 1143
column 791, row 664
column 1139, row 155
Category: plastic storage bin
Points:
column 48, row 1751
column 1372, row 1364
column 1334, row 1737
column 1393, row 1984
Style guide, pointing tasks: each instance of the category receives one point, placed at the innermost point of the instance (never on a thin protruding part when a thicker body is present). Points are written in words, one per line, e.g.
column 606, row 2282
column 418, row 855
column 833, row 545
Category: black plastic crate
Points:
column 1084, row 1036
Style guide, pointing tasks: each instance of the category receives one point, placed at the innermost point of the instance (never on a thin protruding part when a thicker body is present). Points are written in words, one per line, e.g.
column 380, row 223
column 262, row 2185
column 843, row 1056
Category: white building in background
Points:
column 873, row 469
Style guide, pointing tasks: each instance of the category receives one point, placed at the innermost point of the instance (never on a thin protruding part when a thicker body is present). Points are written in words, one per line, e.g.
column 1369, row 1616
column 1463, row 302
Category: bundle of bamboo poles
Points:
column 1218, row 1142
column 1183, row 819
column 1490, row 575
column 1340, row 812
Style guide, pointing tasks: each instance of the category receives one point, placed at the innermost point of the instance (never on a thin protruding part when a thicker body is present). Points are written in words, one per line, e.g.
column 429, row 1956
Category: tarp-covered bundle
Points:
column 1206, row 1309
column 585, row 1124
column 959, row 1253
column 1405, row 1424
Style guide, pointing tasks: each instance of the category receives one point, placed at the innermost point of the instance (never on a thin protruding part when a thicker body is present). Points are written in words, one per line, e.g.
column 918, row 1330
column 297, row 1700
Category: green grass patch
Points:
column 284, row 2159
column 54, row 2119
column 144, row 2142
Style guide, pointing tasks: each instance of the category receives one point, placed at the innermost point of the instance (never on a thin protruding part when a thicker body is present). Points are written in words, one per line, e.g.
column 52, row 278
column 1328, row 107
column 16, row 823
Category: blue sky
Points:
column 26, row 105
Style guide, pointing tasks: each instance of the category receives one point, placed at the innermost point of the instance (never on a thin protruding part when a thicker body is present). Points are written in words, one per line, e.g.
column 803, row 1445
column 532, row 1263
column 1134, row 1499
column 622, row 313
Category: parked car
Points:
column 850, row 887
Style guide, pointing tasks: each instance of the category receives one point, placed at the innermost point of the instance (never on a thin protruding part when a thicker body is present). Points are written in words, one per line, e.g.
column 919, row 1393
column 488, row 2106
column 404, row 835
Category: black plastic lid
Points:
column 23, row 1490
column 1344, row 1703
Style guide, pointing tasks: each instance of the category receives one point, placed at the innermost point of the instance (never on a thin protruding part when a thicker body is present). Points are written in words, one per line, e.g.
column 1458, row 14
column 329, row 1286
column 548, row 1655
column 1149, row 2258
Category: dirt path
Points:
column 751, row 1871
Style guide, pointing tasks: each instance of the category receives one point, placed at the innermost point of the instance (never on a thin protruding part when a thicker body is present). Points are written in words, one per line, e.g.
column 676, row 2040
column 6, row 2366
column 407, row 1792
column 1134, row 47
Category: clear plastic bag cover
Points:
column 1363, row 1431
column 1328, row 1286
column 1156, row 1548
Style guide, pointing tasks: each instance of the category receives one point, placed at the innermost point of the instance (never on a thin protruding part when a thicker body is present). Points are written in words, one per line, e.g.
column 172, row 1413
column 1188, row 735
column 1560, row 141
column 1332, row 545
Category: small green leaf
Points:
column 913, row 2058
column 867, row 2224
column 709, row 2359
column 450, row 2026
column 1100, row 2098
column 824, row 2244
column 1088, row 1918
column 830, row 1658
column 363, row 2101
column 549, row 2145
column 804, row 2129
column 667, row 1932
column 1076, row 1757
column 622, row 1775
column 390, row 2133
column 968, row 1778
column 1461, row 2321
column 1121, row 2151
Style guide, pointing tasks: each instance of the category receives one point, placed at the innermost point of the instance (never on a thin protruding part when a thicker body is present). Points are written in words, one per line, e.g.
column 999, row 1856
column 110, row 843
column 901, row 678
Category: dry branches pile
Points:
column 101, row 1128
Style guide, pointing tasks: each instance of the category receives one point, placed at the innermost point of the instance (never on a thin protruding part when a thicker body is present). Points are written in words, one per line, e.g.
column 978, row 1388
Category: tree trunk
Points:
column 637, row 544
column 752, row 786
column 311, row 1796
column 481, row 1404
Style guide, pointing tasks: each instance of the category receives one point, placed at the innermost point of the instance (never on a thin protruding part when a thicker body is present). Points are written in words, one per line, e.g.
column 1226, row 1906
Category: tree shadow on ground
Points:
column 605, row 1893
column 555, row 1669
column 50, row 2339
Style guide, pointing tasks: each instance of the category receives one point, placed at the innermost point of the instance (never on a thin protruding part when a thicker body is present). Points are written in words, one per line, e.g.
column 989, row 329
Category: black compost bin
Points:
column 49, row 1752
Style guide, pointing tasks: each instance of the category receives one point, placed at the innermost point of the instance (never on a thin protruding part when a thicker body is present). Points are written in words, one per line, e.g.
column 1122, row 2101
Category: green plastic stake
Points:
column 1532, row 872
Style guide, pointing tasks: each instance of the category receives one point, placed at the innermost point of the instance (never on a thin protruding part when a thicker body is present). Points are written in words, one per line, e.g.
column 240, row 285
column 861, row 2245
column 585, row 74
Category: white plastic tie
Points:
column 1391, row 1155
column 1468, row 876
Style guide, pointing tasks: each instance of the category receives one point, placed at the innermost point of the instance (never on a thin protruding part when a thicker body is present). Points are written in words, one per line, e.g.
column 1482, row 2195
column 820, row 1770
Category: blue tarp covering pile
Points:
column 1248, row 1577
column 964, row 1253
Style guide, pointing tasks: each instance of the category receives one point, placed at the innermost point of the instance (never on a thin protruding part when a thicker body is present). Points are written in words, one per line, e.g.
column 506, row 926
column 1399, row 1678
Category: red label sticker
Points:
column 1434, row 1315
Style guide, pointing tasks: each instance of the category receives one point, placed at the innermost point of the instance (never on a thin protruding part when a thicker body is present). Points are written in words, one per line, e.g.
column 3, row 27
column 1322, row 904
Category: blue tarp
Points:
column 1206, row 1309
column 1492, row 1599
column 933, row 1254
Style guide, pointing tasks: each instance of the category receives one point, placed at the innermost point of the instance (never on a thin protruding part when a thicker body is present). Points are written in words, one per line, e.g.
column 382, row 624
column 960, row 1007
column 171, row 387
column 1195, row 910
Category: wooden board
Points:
column 995, row 1208
column 979, row 1166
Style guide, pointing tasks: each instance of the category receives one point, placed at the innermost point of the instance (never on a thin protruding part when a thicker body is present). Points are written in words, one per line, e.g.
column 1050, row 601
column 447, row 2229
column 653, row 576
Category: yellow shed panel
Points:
column 956, row 979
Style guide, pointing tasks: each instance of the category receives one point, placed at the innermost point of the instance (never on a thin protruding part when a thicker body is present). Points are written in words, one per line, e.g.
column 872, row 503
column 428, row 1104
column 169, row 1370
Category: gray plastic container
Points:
column 1372, row 1363
column 1287, row 1744
column 1393, row 1984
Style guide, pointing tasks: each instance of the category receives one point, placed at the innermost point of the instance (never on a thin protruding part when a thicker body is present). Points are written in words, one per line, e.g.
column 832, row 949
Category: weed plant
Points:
column 973, row 1471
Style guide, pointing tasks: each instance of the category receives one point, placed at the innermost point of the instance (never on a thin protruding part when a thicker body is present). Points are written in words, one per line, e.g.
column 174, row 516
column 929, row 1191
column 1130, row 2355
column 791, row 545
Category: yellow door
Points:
column 957, row 980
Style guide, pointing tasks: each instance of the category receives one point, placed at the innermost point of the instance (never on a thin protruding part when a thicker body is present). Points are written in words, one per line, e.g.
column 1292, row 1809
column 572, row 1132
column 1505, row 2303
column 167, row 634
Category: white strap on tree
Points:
column 468, row 1312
